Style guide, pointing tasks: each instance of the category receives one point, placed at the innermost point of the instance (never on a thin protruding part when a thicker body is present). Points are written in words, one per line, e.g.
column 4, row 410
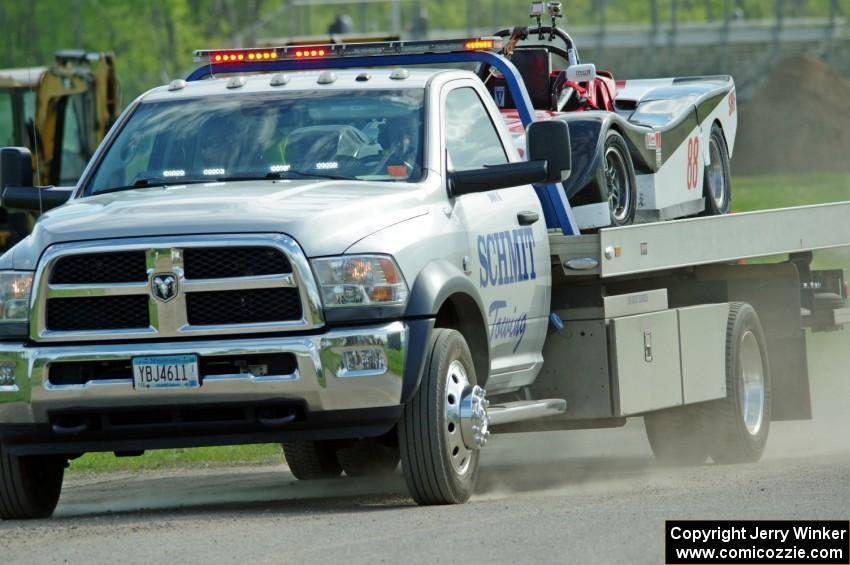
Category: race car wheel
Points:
column 309, row 460
column 677, row 435
column 619, row 180
column 738, row 425
column 439, row 466
column 368, row 457
column 717, row 184
column 29, row 486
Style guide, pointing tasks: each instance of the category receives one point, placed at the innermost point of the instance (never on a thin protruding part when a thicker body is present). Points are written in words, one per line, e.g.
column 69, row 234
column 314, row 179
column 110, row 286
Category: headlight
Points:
column 15, row 290
column 360, row 280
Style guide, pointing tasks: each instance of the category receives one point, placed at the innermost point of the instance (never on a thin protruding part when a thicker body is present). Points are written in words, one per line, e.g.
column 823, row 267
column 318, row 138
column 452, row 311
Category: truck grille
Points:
column 100, row 268
column 243, row 306
column 219, row 263
column 98, row 313
column 175, row 288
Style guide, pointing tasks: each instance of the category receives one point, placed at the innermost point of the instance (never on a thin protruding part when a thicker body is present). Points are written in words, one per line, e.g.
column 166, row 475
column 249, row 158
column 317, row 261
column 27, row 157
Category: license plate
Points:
column 166, row 371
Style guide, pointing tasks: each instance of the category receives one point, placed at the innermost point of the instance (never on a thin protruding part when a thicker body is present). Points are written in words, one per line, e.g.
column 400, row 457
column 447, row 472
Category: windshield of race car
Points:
column 367, row 135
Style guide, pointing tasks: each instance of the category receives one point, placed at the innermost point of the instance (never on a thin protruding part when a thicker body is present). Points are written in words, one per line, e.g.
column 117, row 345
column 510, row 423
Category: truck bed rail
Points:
column 645, row 248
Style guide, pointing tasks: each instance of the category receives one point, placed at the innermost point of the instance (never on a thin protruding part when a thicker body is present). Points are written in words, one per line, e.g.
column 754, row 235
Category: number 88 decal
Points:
column 693, row 162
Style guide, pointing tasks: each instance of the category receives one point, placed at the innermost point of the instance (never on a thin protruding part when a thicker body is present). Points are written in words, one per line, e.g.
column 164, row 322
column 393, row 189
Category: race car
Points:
column 643, row 150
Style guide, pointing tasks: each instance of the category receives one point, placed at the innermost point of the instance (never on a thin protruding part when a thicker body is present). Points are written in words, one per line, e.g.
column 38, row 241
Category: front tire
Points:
column 310, row 460
column 438, row 467
column 29, row 486
column 620, row 181
column 740, row 422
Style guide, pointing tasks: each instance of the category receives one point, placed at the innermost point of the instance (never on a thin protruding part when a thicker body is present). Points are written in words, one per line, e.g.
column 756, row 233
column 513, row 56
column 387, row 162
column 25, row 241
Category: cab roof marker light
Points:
column 348, row 50
column 280, row 79
column 327, row 77
column 236, row 82
column 176, row 84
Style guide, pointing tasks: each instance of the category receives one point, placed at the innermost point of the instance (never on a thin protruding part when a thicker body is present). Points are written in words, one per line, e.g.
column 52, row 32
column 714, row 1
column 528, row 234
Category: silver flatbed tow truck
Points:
column 319, row 247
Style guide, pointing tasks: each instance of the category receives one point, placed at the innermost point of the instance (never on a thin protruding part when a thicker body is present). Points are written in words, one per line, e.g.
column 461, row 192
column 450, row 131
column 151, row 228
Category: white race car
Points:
column 643, row 150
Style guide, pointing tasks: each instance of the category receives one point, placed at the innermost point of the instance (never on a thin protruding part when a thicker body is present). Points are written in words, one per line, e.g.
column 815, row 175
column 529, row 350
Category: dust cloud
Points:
column 620, row 459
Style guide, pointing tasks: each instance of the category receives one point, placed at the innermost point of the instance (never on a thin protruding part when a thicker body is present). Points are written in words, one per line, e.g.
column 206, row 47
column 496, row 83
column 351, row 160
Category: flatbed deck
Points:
column 644, row 248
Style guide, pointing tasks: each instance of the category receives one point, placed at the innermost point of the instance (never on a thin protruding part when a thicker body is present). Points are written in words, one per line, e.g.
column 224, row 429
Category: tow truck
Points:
column 324, row 247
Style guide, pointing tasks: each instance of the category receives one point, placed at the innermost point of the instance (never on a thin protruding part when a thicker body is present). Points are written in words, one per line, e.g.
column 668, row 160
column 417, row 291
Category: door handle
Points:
column 527, row 217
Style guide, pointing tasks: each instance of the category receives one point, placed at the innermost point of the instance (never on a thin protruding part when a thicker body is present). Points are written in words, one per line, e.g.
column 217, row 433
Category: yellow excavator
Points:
column 60, row 112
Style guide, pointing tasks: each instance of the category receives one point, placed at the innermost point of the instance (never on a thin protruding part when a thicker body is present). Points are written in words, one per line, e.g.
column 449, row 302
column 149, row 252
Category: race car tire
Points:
column 438, row 468
column 717, row 180
column 30, row 485
column 739, row 424
column 310, row 460
column 620, row 182
column 677, row 436
column 368, row 457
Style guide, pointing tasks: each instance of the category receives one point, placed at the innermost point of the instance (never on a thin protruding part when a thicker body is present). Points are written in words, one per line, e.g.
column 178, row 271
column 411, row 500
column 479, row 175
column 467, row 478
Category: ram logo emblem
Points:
column 164, row 287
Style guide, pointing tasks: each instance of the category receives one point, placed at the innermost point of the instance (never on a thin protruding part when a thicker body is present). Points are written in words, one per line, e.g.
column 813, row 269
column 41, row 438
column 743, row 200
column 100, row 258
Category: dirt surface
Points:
column 575, row 497
column 797, row 122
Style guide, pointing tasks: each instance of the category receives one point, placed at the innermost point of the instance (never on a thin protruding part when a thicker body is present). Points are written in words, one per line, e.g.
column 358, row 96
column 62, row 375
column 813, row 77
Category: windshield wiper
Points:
column 285, row 175
column 151, row 182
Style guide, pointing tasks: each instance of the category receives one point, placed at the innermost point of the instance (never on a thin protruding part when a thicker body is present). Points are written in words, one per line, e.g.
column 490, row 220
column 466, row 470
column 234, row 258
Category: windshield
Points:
column 366, row 135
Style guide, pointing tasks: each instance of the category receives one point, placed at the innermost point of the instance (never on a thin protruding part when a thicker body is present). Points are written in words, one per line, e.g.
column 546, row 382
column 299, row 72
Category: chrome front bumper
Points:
column 321, row 381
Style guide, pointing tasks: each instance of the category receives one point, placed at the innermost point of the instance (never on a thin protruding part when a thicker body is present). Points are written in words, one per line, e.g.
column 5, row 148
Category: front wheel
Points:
column 620, row 180
column 29, row 486
column 443, row 425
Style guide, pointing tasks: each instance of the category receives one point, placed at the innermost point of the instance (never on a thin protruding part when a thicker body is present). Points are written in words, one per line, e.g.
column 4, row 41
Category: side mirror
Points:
column 16, row 190
column 15, row 167
column 549, row 160
column 495, row 177
column 549, row 141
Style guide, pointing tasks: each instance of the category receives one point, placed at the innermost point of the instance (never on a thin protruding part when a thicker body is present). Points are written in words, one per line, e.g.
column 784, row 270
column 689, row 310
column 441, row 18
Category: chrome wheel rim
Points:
column 617, row 182
column 716, row 174
column 456, row 450
column 751, row 390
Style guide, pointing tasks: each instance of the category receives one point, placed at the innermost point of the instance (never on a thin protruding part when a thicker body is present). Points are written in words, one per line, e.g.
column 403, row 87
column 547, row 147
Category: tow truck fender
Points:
column 437, row 282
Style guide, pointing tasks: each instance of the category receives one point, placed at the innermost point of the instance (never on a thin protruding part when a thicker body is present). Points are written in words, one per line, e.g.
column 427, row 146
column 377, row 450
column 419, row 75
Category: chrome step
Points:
column 525, row 410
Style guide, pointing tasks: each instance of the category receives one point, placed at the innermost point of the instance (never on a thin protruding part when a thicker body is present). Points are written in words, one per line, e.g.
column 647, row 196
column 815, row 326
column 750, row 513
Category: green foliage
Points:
column 153, row 39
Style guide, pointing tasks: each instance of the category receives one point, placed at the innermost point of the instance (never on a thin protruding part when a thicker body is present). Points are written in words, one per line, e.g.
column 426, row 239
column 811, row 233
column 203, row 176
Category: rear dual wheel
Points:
column 733, row 429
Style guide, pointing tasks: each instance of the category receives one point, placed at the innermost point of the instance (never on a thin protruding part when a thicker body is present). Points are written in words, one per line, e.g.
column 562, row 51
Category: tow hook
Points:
column 474, row 422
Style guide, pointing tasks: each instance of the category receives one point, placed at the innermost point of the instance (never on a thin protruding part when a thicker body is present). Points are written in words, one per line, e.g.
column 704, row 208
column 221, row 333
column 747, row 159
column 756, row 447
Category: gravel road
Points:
column 592, row 496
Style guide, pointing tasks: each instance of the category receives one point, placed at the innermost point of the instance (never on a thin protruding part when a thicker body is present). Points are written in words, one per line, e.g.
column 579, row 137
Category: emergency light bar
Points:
column 332, row 50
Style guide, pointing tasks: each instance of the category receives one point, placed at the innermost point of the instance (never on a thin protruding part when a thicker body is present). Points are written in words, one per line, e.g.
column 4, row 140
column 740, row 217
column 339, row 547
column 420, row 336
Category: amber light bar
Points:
column 230, row 56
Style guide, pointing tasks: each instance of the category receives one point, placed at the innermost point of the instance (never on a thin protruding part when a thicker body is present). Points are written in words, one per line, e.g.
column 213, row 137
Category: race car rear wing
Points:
column 556, row 208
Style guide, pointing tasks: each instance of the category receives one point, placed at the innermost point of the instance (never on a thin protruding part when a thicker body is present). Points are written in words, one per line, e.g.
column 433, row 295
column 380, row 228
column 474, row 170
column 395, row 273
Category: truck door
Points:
column 507, row 239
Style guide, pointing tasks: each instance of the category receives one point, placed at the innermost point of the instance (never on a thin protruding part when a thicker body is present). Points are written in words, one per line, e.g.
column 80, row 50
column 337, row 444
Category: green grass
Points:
column 199, row 457
column 763, row 192
column 749, row 193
